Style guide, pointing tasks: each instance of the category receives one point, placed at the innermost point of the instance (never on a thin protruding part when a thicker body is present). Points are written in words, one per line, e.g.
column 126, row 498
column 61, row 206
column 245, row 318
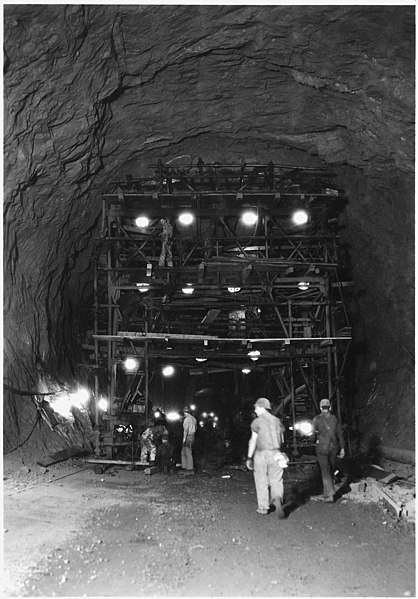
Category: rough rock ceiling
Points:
column 95, row 92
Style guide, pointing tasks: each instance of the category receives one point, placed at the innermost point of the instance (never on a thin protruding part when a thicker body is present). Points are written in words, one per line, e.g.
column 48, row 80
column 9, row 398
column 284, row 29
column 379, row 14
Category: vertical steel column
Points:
column 289, row 312
column 329, row 356
column 292, row 399
column 96, row 360
column 335, row 356
column 146, row 366
column 110, row 344
column 314, row 387
column 96, row 347
column 266, row 240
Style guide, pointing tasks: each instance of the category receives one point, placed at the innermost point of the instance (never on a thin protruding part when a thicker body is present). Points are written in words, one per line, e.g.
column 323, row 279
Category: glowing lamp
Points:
column 173, row 416
column 130, row 364
column 200, row 359
column 234, row 289
column 246, row 370
column 254, row 354
column 168, row 371
column 306, row 428
column 186, row 218
column 193, row 407
column 80, row 398
column 188, row 290
column 103, row 404
column 303, row 286
column 300, row 217
column 143, row 287
column 142, row 222
column 249, row 218
column 62, row 404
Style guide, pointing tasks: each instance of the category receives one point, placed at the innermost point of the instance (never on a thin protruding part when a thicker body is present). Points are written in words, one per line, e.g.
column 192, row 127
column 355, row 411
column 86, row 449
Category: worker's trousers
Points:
column 186, row 453
column 147, row 449
column 166, row 254
column 327, row 464
column 268, row 478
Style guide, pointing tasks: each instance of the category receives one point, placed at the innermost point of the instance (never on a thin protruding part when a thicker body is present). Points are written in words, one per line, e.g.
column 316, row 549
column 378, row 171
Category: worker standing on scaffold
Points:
column 166, row 243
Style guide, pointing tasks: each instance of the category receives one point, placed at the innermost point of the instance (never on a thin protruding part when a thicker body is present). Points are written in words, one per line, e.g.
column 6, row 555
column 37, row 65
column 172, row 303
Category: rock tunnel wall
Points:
column 95, row 92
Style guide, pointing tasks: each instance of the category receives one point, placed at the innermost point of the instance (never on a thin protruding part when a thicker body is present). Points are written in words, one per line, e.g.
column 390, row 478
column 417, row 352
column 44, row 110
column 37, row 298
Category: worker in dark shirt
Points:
column 164, row 456
column 329, row 445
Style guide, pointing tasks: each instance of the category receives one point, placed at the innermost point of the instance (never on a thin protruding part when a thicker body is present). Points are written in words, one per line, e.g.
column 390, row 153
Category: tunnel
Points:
column 137, row 140
column 98, row 97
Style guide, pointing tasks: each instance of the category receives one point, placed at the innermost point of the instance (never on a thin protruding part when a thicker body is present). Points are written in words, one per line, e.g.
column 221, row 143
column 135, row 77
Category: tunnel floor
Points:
column 124, row 533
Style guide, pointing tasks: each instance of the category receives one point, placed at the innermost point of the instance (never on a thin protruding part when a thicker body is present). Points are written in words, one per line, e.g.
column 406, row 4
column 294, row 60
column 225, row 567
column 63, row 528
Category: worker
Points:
column 148, row 447
column 166, row 235
column 175, row 437
column 189, row 432
column 164, row 456
column 158, row 430
column 329, row 441
column 265, row 458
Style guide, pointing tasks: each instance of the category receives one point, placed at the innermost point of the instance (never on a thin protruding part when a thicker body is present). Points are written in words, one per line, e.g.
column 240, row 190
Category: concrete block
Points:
column 359, row 487
column 151, row 470
column 409, row 510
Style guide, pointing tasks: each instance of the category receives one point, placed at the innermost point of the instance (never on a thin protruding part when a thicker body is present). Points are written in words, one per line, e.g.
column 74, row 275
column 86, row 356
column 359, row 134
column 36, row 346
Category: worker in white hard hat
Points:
column 189, row 432
column 266, row 459
column 329, row 445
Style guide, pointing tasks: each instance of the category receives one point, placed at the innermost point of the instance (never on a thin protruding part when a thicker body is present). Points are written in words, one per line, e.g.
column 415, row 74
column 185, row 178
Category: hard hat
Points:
column 325, row 403
column 262, row 402
column 187, row 409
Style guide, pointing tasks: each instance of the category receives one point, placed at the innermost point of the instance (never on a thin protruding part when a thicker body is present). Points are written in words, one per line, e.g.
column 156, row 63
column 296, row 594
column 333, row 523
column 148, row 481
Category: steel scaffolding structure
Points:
column 218, row 288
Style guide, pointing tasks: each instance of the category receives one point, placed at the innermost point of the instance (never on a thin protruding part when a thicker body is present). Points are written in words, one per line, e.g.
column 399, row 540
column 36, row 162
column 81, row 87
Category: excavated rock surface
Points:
column 95, row 92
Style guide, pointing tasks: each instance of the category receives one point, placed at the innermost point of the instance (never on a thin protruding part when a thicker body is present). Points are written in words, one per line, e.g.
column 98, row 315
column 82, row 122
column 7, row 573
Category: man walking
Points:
column 329, row 440
column 189, row 431
column 264, row 458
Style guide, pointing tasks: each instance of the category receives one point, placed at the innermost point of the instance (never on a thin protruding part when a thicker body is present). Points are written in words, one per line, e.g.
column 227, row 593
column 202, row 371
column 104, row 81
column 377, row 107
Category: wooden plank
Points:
column 390, row 478
column 104, row 461
column 122, row 335
column 390, row 502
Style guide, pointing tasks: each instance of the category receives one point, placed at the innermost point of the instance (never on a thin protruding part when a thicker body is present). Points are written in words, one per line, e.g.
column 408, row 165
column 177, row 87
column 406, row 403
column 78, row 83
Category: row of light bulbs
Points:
column 189, row 289
column 249, row 218
column 131, row 364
